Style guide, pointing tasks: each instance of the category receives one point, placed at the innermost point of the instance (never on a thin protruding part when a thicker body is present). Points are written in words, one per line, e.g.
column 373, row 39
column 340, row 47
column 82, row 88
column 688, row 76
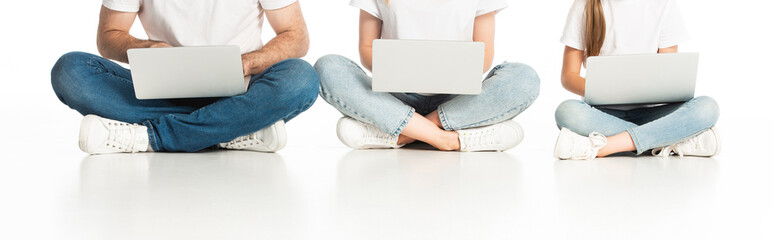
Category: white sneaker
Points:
column 706, row 144
column 359, row 135
column 573, row 146
column 270, row 139
column 498, row 137
column 101, row 135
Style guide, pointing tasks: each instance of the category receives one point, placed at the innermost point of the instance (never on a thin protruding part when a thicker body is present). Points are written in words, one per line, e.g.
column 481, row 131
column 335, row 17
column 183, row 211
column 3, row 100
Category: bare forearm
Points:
column 672, row 49
column 290, row 44
column 366, row 56
column 574, row 83
column 370, row 29
column 571, row 67
column 488, row 57
column 114, row 44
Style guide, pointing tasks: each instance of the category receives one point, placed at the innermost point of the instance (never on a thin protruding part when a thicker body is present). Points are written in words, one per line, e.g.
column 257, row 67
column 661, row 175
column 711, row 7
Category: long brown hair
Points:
column 595, row 28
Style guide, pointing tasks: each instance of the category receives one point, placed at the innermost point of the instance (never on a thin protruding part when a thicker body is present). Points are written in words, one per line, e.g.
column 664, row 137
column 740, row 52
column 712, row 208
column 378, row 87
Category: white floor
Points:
column 336, row 193
column 318, row 189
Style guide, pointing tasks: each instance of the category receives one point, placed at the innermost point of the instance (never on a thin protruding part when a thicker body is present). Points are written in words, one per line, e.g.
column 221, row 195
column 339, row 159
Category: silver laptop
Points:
column 187, row 72
column 641, row 79
column 418, row 66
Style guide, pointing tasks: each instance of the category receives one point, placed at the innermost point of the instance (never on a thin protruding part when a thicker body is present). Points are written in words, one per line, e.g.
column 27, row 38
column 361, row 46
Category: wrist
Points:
column 246, row 66
column 159, row 45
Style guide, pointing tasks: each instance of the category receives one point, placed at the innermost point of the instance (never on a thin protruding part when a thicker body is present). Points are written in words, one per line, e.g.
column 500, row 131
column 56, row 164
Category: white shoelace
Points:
column 479, row 138
column 245, row 141
column 124, row 136
column 678, row 149
column 374, row 134
column 598, row 141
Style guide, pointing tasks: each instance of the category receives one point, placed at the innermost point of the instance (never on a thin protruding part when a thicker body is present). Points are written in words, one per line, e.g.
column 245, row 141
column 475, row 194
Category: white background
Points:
column 40, row 161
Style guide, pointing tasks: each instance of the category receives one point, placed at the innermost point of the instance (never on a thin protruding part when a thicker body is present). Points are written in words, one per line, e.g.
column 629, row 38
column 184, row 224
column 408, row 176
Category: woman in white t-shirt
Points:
column 447, row 122
column 613, row 27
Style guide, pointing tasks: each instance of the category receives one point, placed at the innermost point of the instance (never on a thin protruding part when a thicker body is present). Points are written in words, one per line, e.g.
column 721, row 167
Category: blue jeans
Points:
column 509, row 89
column 649, row 127
column 94, row 85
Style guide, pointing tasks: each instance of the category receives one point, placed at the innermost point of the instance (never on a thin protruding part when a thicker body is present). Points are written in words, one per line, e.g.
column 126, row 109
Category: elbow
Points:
column 574, row 84
column 303, row 44
column 366, row 56
column 569, row 85
column 101, row 48
column 104, row 52
column 366, row 63
column 566, row 83
column 104, row 46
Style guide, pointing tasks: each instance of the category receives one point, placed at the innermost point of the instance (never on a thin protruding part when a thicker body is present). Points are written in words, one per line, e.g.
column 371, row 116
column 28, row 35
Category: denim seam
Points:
column 260, row 75
column 686, row 138
column 444, row 120
column 301, row 109
column 636, row 141
column 92, row 65
column 152, row 136
column 351, row 111
column 404, row 123
column 520, row 107
column 339, row 103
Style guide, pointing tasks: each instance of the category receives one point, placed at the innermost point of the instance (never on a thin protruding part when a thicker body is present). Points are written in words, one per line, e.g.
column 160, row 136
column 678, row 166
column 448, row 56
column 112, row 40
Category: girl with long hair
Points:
column 616, row 27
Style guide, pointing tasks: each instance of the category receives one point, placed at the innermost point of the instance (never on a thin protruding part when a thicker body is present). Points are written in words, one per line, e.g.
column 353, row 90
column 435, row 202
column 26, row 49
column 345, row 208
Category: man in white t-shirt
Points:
column 281, row 86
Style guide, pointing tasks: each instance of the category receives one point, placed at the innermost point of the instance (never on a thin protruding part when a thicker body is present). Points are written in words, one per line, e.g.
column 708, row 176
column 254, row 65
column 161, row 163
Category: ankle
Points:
column 403, row 140
column 450, row 141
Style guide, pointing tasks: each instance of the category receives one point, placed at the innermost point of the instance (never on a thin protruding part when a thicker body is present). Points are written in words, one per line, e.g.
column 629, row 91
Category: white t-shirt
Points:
column 202, row 22
column 633, row 26
column 428, row 19
column 450, row 20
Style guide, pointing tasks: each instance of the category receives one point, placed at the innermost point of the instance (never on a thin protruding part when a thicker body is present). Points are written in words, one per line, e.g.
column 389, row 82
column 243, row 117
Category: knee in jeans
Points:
column 571, row 113
column 304, row 82
column 330, row 64
column 522, row 78
column 707, row 110
column 330, row 60
column 332, row 70
column 519, row 68
column 65, row 72
column 67, row 64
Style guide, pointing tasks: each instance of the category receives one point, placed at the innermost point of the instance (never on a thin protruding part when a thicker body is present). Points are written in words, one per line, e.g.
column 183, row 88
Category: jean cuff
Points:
column 444, row 119
column 403, row 123
column 636, row 141
column 152, row 138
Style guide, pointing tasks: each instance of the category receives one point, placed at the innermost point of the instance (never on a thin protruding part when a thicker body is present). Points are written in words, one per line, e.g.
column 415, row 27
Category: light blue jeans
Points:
column 509, row 89
column 649, row 127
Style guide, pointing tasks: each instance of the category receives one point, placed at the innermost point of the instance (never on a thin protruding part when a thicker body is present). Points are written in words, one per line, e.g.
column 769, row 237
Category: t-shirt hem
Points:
column 572, row 44
column 277, row 5
column 493, row 8
column 366, row 8
column 121, row 7
column 666, row 44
